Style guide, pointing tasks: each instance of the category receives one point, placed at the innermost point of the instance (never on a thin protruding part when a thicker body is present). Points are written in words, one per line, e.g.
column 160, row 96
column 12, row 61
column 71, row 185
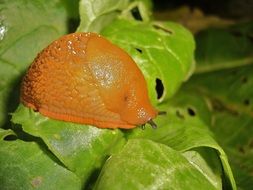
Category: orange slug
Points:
column 84, row 78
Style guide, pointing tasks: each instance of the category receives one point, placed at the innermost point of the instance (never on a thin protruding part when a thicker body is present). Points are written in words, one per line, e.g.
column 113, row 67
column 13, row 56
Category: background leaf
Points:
column 26, row 28
column 220, row 48
column 228, row 95
column 232, row 87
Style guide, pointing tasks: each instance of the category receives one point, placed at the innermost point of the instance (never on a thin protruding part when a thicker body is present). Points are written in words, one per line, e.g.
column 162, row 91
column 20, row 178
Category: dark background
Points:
column 234, row 9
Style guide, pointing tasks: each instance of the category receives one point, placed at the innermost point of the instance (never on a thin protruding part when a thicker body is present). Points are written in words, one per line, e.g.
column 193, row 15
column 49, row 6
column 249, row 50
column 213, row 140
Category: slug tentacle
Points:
column 84, row 78
column 152, row 123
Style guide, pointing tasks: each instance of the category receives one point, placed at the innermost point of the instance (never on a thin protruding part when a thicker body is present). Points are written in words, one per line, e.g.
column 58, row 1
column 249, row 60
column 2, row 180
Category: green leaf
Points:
column 26, row 28
column 81, row 148
column 179, row 130
column 229, row 94
column 24, row 166
column 143, row 164
column 183, row 131
column 224, row 47
column 208, row 163
column 241, row 163
column 194, row 104
column 94, row 15
column 232, row 87
column 156, row 47
column 234, row 132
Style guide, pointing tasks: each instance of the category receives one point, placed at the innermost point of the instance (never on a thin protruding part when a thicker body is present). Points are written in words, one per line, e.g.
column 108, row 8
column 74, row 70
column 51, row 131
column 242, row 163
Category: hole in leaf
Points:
column 246, row 102
column 158, row 27
column 10, row 138
column 139, row 50
column 191, row 112
column 241, row 149
column 236, row 33
column 159, row 88
column 162, row 112
column 136, row 13
column 244, row 79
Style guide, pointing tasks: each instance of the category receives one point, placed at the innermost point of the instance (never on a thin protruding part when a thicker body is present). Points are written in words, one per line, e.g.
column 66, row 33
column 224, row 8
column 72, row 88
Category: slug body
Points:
column 84, row 78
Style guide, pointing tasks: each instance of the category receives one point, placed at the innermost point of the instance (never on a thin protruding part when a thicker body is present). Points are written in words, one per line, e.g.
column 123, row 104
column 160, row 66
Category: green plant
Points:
column 203, row 111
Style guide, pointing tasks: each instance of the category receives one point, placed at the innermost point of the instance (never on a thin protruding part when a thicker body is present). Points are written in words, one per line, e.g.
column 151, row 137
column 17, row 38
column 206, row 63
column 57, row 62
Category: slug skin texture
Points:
column 84, row 78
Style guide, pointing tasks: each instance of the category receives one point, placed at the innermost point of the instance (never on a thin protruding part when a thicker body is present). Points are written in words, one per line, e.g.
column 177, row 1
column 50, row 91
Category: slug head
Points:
column 122, row 84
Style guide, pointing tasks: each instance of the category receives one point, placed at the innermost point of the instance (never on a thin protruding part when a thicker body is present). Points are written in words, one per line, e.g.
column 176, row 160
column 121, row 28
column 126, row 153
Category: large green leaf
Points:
column 183, row 131
column 233, row 130
column 81, row 148
column 156, row 47
column 144, row 164
column 24, row 166
column 222, row 48
column 26, row 27
column 228, row 94
column 178, row 129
